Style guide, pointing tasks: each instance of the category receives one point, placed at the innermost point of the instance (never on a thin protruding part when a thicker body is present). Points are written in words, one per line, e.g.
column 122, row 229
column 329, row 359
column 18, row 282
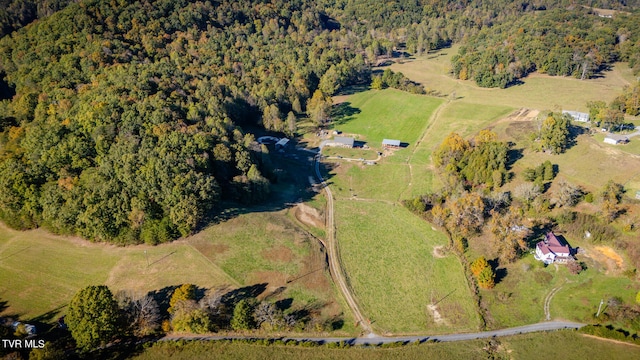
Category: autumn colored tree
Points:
column 486, row 278
column 467, row 214
column 509, row 233
column 182, row 293
column 318, row 108
column 554, row 133
column 478, row 265
column 451, row 150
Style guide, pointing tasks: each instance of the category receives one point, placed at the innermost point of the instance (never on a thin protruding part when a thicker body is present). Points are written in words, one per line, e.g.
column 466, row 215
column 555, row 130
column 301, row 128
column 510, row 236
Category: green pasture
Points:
column 460, row 117
column 383, row 181
column 375, row 115
column 537, row 91
column 387, row 253
column 589, row 163
column 40, row 272
column 566, row 344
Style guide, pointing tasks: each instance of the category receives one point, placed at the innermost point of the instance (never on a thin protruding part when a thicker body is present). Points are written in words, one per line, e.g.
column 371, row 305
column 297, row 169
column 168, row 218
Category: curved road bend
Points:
column 334, row 261
column 375, row 339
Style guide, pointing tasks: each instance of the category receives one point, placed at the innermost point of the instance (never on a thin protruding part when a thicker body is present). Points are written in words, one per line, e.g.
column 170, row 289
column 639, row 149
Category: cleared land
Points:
column 388, row 255
column 40, row 272
column 538, row 91
column 385, row 114
column 566, row 345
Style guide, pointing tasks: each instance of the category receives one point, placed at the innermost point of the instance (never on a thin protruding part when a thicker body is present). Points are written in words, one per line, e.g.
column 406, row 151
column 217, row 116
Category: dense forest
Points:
column 556, row 42
column 127, row 120
column 130, row 121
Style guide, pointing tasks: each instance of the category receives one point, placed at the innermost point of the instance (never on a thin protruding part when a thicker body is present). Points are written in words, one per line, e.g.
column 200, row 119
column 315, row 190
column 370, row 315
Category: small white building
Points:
column 551, row 250
column 614, row 139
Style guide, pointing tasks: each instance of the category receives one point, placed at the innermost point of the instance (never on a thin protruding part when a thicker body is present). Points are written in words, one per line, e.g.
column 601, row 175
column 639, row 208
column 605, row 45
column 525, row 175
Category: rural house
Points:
column 577, row 116
column 551, row 250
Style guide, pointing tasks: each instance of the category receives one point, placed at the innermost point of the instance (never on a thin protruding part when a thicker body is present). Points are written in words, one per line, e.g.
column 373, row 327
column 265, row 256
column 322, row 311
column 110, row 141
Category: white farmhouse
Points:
column 551, row 250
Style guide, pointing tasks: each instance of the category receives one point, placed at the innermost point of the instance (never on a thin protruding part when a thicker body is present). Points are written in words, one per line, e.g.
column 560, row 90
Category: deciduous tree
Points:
column 93, row 317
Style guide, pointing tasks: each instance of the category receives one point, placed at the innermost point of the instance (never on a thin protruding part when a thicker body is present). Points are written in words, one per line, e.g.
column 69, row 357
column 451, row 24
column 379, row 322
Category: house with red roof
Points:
column 551, row 250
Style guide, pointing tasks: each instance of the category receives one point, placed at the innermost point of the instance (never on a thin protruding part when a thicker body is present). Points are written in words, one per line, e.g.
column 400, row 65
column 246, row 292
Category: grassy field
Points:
column 565, row 344
column 40, row 272
column 385, row 114
column 537, row 91
column 388, row 255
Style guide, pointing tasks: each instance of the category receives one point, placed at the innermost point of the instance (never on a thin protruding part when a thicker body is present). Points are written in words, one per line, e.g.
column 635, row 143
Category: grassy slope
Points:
column 40, row 272
column 565, row 344
column 388, row 114
column 538, row 91
column 387, row 253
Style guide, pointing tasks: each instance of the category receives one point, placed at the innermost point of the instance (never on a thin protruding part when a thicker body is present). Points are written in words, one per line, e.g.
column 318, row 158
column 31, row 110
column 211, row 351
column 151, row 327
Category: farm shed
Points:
column 390, row 143
column 614, row 139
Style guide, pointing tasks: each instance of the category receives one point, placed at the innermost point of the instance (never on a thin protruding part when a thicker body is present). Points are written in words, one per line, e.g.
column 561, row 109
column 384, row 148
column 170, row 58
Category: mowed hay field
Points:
column 565, row 344
column 538, row 91
column 386, row 114
column 388, row 256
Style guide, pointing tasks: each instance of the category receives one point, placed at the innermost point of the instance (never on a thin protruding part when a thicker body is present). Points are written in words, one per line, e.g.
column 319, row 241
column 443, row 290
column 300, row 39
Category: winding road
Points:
column 334, row 258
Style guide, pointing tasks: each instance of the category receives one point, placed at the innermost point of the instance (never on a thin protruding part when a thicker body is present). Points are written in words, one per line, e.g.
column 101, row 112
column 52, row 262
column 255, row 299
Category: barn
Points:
column 389, row 143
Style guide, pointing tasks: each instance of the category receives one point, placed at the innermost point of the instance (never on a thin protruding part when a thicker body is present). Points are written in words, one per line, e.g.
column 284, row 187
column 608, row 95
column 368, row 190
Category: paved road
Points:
column 334, row 258
column 375, row 339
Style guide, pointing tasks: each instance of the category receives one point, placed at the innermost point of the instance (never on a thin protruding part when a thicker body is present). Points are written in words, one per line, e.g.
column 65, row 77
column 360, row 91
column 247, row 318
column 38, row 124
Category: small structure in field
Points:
column 389, row 143
column 282, row 144
column 614, row 139
column 577, row 116
column 342, row 141
column 638, row 194
column 551, row 250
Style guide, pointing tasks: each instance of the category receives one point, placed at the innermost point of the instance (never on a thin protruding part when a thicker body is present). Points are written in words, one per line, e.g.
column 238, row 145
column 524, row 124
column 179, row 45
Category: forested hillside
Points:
column 127, row 118
column 556, row 42
column 128, row 121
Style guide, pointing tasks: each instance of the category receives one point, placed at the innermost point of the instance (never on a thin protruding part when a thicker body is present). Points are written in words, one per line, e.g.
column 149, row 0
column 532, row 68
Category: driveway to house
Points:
column 334, row 258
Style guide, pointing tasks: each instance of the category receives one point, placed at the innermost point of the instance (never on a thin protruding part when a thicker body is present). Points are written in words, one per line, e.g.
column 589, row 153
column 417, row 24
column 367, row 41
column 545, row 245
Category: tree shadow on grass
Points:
column 233, row 297
column 572, row 137
column 500, row 272
column 343, row 113
column 298, row 172
column 163, row 296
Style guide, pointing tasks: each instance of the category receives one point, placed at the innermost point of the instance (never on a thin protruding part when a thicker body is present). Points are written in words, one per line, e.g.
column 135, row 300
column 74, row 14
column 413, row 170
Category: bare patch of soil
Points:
column 279, row 254
column 607, row 257
column 435, row 315
column 309, row 216
column 438, row 252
